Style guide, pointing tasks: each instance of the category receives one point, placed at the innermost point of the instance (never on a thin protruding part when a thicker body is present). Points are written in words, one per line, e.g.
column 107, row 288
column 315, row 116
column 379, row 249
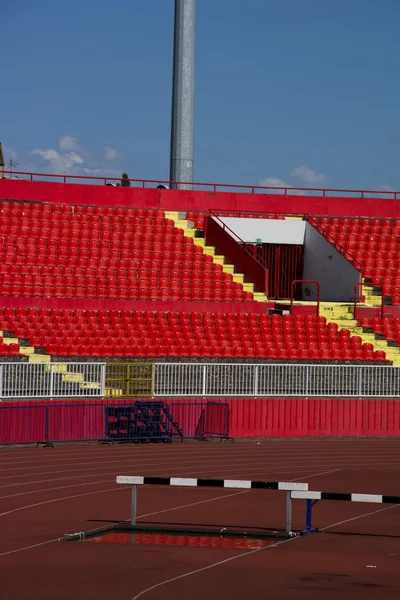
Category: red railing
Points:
column 235, row 251
column 296, row 281
column 253, row 189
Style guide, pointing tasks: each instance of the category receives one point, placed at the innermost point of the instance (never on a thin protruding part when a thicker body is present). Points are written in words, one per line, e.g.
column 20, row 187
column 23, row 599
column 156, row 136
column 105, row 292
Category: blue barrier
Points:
column 113, row 422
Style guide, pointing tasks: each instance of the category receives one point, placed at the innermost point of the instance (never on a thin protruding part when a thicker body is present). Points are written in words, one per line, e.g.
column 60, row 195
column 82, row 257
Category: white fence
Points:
column 87, row 380
column 275, row 380
column 52, row 380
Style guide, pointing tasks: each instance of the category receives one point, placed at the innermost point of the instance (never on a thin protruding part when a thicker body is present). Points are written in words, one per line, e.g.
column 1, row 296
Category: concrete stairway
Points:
column 189, row 231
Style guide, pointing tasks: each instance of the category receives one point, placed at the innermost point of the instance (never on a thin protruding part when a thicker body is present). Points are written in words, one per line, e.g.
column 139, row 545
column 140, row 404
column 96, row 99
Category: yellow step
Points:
column 219, row 259
column 39, row 358
column 10, row 341
column 181, row 224
column 59, row 368
column 248, row 287
column 260, row 297
column 113, row 392
column 174, row 215
column 238, row 277
column 190, row 233
column 199, row 241
column 229, row 268
column 210, row 250
column 92, row 385
column 73, row 377
column 27, row 350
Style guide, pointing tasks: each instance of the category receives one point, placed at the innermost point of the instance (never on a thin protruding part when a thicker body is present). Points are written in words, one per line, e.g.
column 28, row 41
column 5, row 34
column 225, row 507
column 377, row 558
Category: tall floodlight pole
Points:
column 182, row 121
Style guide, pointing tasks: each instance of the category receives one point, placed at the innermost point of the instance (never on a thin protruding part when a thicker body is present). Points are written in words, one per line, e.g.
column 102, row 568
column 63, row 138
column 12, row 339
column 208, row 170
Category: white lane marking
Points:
column 139, row 517
column 189, row 471
column 368, row 514
column 157, row 512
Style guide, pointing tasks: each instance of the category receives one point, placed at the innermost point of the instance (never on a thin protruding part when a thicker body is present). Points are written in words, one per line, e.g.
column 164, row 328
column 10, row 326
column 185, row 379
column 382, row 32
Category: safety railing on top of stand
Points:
column 253, row 189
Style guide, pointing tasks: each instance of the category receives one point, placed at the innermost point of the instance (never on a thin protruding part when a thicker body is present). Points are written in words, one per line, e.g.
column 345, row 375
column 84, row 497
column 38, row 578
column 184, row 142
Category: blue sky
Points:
column 300, row 91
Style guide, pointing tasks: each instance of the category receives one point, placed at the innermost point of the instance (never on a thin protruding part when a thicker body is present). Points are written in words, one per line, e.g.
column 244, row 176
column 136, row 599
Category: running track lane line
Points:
column 157, row 512
column 222, row 562
column 182, row 472
column 63, row 487
column 140, row 517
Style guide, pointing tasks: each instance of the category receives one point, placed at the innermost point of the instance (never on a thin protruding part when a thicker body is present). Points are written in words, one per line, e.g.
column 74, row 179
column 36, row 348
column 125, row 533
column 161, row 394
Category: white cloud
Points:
column 386, row 188
column 274, row 182
column 112, row 153
column 59, row 162
column 308, row 176
column 69, row 157
column 66, row 143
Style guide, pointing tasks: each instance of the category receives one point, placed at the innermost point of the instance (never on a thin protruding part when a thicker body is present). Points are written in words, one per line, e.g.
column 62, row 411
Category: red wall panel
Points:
column 74, row 193
column 258, row 418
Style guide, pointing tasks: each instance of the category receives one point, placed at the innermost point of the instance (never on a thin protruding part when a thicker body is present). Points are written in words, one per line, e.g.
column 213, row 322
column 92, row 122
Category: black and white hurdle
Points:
column 313, row 497
column 287, row 486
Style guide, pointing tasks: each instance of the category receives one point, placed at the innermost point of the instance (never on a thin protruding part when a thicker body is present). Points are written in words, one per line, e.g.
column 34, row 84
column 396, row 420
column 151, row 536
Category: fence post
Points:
column 133, row 505
column 1, row 380
column 256, row 380
column 51, row 380
column 204, row 380
column 288, row 513
column 46, row 427
column 103, row 380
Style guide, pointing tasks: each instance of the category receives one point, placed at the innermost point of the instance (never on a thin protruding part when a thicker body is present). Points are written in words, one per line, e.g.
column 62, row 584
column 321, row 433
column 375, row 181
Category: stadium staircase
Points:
column 188, row 227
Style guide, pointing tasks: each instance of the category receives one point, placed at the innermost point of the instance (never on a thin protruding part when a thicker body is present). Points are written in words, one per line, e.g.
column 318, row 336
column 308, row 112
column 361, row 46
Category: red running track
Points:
column 46, row 493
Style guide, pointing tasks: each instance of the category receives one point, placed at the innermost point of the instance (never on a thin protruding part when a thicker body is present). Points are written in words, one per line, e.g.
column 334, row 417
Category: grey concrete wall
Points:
column 336, row 275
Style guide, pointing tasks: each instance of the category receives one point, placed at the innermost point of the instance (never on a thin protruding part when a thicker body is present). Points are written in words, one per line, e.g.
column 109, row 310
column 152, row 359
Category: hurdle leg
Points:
column 309, row 528
column 288, row 513
column 133, row 505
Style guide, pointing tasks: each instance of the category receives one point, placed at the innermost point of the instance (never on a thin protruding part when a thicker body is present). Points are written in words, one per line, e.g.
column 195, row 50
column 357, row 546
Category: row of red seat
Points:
column 341, row 222
column 202, row 264
column 36, row 207
column 10, row 350
column 131, row 293
column 157, row 334
column 196, row 278
column 133, row 351
column 373, row 243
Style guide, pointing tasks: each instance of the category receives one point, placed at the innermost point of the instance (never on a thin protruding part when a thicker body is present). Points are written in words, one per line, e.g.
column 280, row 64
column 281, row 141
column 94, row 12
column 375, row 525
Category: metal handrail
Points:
column 242, row 243
column 284, row 190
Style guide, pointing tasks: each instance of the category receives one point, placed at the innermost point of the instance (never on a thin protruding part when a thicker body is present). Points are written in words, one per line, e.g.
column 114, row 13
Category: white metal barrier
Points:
column 52, row 380
column 87, row 380
column 275, row 380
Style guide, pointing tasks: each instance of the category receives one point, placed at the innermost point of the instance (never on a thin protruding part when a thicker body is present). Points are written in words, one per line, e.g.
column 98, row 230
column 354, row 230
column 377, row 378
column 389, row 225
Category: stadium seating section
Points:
column 375, row 245
column 60, row 251
column 94, row 252
column 160, row 334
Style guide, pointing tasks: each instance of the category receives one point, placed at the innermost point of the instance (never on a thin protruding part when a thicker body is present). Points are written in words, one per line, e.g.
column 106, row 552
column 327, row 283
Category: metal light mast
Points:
column 182, row 120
